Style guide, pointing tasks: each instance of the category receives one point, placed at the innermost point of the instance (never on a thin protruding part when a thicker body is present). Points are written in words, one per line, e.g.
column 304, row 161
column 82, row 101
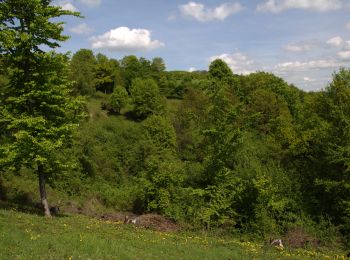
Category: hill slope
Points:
column 25, row 236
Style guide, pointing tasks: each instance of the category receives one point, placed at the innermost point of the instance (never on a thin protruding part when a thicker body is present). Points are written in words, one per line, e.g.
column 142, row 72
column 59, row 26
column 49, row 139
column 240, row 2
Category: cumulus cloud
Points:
column 344, row 55
column 277, row 6
column 339, row 42
column 308, row 65
column 308, row 79
column 346, row 45
column 67, row 5
column 81, row 29
column 202, row 13
column 91, row 3
column 307, row 74
column 318, row 72
column 238, row 62
column 336, row 41
column 298, row 47
column 125, row 39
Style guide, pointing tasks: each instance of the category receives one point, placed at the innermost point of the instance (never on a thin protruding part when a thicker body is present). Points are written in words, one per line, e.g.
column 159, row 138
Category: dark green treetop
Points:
column 82, row 68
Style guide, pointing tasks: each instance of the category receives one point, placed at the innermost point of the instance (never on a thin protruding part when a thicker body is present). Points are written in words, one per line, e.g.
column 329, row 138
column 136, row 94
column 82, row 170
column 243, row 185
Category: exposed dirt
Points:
column 114, row 217
column 151, row 221
column 298, row 238
column 158, row 222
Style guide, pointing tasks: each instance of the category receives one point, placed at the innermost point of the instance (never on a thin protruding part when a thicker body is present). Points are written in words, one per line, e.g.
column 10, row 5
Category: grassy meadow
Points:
column 28, row 236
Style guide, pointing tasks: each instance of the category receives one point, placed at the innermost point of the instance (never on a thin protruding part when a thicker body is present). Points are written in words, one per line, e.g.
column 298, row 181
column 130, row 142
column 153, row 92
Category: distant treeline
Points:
column 93, row 73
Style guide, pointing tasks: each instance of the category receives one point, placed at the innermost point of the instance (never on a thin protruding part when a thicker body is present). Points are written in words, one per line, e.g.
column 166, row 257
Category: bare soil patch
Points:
column 151, row 221
column 298, row 238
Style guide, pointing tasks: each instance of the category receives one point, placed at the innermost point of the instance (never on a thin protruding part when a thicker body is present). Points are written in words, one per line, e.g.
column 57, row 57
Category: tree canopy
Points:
column 38, row 113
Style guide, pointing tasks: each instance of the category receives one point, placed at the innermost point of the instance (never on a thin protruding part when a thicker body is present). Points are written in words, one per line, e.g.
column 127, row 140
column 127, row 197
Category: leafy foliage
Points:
column 38, row 114
column 118, row 99
column 105, row 73
column 82, row 67
column 146, row 98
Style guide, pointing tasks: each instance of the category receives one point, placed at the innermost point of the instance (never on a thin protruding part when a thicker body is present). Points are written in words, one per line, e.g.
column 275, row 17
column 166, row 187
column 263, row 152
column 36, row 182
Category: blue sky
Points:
column 303, row 41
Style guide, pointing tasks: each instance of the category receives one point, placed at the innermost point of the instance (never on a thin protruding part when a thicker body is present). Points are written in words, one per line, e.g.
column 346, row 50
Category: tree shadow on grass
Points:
column 22, row 202
column 130, row 115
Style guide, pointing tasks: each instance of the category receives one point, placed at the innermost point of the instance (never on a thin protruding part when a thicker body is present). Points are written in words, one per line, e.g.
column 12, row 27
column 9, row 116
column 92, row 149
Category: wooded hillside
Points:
column 208, row 149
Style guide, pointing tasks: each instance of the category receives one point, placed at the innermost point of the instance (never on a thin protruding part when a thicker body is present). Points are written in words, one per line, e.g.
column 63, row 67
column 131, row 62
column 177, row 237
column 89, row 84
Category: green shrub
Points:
column 146, row 98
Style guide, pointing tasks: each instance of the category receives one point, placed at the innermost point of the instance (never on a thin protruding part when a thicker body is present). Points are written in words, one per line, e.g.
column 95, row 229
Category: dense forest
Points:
column 209, row 149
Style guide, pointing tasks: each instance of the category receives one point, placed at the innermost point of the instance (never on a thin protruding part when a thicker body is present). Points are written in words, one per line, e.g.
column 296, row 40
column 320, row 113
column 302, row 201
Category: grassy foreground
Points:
column 25, row 236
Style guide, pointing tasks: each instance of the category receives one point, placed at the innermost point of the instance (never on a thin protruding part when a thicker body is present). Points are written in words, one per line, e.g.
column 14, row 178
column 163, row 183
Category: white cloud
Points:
column 81, row 29
column 91, row 3
column 344, row 55
column 307, row 74
column 339, row 42
column 298, row 47
column 346, row 45
column 202, row 13
column 308, row 79
column 308, row 65
column 192, row 69
column 238, row 62
column 277, row 6
column 336, row 41
column 67, row 5
column 125, row 39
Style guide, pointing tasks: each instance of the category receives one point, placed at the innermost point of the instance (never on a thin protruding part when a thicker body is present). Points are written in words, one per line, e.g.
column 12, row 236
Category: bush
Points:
column 160, row 131
column 118, row 99
column 146, row 97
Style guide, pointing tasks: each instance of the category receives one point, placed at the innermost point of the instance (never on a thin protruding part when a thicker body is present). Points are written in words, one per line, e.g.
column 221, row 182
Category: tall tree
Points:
column 131, row 68
column 118, row 99
column 219, row 70
column 158, row 65
column 147, row 98
column 105, row 73
column 82, row 67
column 334, row 181
column 37, row 112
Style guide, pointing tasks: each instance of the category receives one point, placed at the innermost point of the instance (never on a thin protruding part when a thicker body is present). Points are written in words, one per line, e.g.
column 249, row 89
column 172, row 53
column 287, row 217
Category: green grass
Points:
column 94, row 108
column 26, row 236
column 173, row 105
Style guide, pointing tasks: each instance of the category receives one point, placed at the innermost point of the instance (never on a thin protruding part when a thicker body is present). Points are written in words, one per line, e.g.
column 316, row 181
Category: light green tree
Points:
column 160, row 131
column 37, row 112
column 118, row 99
column 158, row 65
column 131, row 68
column 147, row 98
column 219, row 70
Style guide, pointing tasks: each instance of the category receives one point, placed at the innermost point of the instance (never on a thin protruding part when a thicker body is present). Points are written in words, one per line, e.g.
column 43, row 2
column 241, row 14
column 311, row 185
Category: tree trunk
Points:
column 43, row 191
